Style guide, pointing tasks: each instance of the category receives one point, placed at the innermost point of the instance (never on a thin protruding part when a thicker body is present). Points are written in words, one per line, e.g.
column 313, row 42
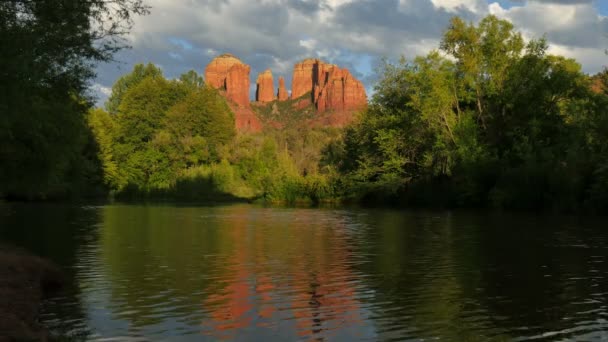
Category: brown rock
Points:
column 332, row 88
column 282, row 93
column 24, row 282
column 228, row 73
column 245, row 119
column 302, row 81
column 265, row 87
column 340, row 91
column 231, row 76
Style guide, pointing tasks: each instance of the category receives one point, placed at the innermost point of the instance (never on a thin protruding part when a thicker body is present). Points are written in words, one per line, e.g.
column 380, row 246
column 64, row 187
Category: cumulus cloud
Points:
column 573, row 28
column 183, row 35
column 559, row 2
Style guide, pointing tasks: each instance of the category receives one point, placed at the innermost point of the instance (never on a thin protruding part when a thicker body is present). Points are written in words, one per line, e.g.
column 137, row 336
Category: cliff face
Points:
column 282, row 94
column 334, row 93
column 337, row 90
column 245, row 119
column 265, row 87
column 302, row 81
column 332, row 88
column 231, row 76
column 228, row 73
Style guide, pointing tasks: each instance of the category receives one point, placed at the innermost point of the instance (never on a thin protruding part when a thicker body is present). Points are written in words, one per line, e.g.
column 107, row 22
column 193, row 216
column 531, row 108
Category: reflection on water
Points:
column 250, row 273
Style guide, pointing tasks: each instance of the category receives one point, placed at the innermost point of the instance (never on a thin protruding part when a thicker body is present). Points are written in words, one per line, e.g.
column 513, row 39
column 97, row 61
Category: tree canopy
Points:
column 49, row 49
column 485, row 121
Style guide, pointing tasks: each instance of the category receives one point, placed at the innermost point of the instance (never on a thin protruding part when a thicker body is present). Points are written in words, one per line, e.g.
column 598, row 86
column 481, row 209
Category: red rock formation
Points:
column 231, row 76
column 245, row 119
column 228, row 73
column 335, row 93
column 282, row 93
column 302, row 81
column 338, row 90
column 265, row 87
column 332, row 88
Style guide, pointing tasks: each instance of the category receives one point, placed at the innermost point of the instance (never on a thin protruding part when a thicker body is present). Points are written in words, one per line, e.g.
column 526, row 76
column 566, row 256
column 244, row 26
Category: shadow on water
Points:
column 60, row 233
column 252, row 273
column 200, row 189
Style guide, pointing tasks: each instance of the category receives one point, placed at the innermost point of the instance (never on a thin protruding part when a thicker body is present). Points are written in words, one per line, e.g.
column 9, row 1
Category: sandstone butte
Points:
column 282, row 94
column 265, row 87
column 231, row 76
column 331, row 89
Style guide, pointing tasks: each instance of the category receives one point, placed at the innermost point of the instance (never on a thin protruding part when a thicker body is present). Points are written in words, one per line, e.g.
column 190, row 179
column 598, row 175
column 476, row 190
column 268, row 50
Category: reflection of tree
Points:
column 424, row 277
column 249, row 268
column 281, row 274
column 158, row 260
column 481, row 277
column 539, row 272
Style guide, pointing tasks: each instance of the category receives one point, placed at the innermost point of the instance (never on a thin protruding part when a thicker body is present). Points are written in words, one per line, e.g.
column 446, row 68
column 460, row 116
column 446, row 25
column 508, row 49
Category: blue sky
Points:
column 183, row 35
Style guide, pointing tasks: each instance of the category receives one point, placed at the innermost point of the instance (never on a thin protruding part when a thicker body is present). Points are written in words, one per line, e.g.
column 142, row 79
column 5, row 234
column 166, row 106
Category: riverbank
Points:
column 24, row 281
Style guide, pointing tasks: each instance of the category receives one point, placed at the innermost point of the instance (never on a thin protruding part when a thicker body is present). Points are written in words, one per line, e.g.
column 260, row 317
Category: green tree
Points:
column 192, row 79
column 141, row 116
column 201, row 122
column 105, row 128
column 495, row 125
column 48, row 53
column 130, row 80
column 483, row 53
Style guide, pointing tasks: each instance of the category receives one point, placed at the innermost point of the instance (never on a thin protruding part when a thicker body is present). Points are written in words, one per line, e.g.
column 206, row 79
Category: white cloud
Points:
column 277, row 33
column 592, row 59
column 308, row 44
column 106, row 91
column 475, row 6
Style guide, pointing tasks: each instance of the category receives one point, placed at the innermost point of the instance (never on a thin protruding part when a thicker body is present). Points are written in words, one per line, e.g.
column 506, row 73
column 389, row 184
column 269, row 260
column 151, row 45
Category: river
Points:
column 250, row 273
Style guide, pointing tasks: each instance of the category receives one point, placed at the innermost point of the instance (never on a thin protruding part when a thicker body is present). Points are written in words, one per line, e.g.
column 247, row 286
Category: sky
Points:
column 185, row 35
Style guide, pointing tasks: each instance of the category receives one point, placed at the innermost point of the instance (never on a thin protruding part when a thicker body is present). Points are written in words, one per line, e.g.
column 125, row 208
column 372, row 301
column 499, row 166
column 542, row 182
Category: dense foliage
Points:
column 49, row 48
column 176, row 139
column 485, row 121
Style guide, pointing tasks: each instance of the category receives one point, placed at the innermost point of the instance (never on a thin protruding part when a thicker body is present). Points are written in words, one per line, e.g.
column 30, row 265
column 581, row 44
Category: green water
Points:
column 195, row 273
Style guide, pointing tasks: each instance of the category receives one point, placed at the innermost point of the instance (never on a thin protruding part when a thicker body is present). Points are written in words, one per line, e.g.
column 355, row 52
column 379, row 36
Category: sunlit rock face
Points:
column 302, row 81
column 265, row 87
column 333, row 91
column 231, row 76
column 282, row 94
column 228, row 73
column 336, row 89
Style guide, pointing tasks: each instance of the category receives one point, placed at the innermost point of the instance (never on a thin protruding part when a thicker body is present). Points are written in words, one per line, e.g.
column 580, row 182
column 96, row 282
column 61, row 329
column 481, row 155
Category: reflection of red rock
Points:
column 231, row 76
column 272, row 280
column 325, row 296
column 248, row 293
column 282, row 93
column 265, row 87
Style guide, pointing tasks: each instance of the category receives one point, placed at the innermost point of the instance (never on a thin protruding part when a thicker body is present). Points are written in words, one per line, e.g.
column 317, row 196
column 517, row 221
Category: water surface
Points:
column 187, row 273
